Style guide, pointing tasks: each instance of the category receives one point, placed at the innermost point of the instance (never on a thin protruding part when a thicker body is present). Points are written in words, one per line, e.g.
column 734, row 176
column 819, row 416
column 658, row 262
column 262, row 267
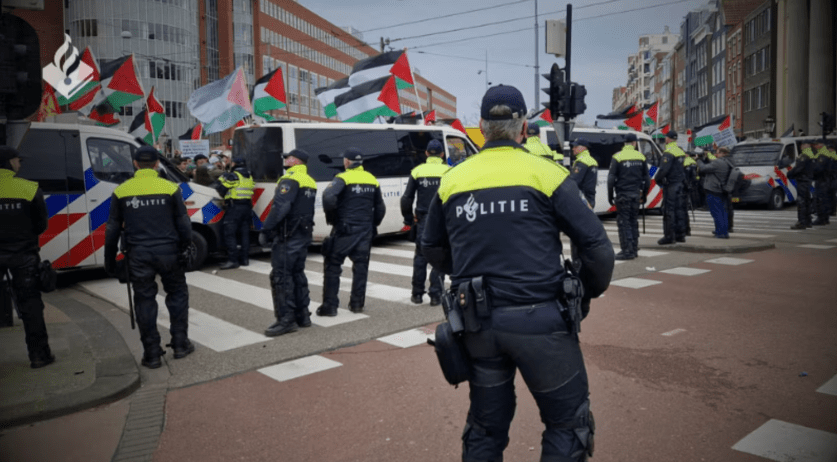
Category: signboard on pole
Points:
column 191, row 148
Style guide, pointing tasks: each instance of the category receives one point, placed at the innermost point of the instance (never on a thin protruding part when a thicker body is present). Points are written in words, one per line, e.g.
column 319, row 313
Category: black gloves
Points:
column 110, row 262
column 266, row 239
column 184, row 257
column 610, row 197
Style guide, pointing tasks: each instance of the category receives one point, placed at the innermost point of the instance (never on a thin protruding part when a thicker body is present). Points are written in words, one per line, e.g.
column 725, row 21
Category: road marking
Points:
column 783, row 441
column 619, row 262
column 634, row 283
column 816, row 246
column 673, row 332
column 393, row 252
column 407, row 339
column 373, row 290
column 260, row 297
column 684, row 271
column 299, row 368
column 729, row 261
column 376, row 266
column 830, row 387
column 211, row 332
column 831, row 240
column 650, row 253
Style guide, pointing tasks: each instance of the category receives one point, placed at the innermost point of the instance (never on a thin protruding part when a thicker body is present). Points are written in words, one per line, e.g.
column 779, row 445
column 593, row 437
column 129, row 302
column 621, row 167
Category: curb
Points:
column 741, row 248
column 116, row 375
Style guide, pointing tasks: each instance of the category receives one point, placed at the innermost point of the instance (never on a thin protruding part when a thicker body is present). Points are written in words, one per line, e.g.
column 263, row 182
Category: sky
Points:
column 603, row 37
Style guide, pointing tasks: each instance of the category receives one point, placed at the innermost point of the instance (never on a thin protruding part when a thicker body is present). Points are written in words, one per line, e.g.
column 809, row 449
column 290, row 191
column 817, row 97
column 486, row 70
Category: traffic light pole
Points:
column 567, row 128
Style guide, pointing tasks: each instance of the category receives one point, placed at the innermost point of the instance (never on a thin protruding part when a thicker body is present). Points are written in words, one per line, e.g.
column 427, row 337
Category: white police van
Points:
column 78, row 167
column 604, row 144
column 766, row 163
column 390, row 151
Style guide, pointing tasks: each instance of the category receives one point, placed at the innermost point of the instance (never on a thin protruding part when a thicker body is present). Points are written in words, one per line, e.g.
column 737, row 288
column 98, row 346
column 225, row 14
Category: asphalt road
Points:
column 689, row 355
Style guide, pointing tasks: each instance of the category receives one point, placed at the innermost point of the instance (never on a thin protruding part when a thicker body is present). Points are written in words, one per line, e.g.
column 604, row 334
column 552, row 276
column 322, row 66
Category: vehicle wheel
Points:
column 776, row 200
column 199, row 250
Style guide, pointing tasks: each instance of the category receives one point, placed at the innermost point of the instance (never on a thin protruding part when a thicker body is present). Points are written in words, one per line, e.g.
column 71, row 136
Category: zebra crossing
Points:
column 749, row 224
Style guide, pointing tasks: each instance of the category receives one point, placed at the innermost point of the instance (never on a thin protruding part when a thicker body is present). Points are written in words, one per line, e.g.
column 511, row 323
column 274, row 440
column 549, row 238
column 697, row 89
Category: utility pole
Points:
column 567, row 126
column 537, row 68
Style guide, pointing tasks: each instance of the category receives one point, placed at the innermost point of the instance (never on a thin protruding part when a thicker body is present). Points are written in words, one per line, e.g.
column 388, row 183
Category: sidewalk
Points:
column 705, row 244
column 93, row 366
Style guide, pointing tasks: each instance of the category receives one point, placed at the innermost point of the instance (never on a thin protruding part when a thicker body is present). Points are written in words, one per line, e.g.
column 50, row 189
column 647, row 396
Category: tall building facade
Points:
column 679, row 98
column 697, row 30
column 718, row 58
column 640, row 88
column 759, row 96
column 733, row 13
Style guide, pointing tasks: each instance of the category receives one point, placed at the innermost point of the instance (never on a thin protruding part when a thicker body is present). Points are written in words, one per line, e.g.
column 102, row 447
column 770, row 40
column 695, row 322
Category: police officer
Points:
column 689, row 186
column 353, row 204
column 495, row 229
column 585, row 170
column 288, row 228
column 534, row 144
column 822, row 182
column 670, row 176
column 148, row 213
column 803, row 174
column 424, row 181
column 628, row 181
column 23, row 213
column 238, row 217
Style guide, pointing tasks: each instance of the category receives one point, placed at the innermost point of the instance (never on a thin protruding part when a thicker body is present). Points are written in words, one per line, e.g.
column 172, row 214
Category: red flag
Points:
column 401, row 69
column 651, row 113
column 458, row 125
column 87, row 58
column 635, row 122
column 104, row 120
column 725, row 125
column 389, row 95
column 547, row 116
column 49, row 104
column 196, row 132
column 430, row 117
column 240, row 123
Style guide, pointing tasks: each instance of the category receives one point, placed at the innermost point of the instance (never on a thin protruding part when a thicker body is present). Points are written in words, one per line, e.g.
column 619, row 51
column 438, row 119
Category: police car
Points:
column 78, row 167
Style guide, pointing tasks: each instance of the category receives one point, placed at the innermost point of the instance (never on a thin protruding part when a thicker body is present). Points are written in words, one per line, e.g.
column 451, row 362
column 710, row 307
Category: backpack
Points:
column 736, row 183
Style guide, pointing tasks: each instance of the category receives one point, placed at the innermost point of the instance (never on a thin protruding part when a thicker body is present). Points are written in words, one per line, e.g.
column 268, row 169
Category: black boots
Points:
column 182, row 349
column 435, row 301
column 229, row 265
column 43, row 358
column 622, row 256
column 325, row 310
column 286, row 325
column 665, row 241
column 418, row 299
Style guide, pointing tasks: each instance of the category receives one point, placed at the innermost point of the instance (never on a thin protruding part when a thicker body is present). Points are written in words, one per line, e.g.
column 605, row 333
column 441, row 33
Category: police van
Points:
column 766, row 163
column 604, row 143
column 390, row 151
column 78, row 167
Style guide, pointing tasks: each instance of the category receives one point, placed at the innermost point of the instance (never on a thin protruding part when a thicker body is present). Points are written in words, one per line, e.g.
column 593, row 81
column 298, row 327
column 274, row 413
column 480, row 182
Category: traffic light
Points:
column 20, row 68
column 558, row 91
column 826, row 122
column 578, row 106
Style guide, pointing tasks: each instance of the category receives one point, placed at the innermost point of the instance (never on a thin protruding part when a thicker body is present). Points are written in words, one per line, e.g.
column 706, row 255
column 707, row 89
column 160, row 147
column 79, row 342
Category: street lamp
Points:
column 769, row 125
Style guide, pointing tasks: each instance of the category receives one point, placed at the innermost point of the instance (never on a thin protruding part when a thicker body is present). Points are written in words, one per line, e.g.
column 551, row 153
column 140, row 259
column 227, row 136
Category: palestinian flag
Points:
column 139, row 128
column 326, row 95
column 382, row 65
column 85, row 95
column 120, row 85
column 222, row 103
column 651, row 114
column 49, row 105
column 155, row 116
column 430, row 117
column 103, row 120
column 660, row 133
column 193, row 133
column 716, row 131
column 269, row 94
column 544, row 120
column 633, row 123
column 458, row 125
column 368, row 101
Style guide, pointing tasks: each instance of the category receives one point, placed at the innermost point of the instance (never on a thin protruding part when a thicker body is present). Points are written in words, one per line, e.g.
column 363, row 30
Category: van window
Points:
column 387, row 153
column 458, row 148
column 45, row 160
column 762, row 154
column 111, row 160
column 650, row 151
column 419, row 141
column 789, row 154
column 262, row 150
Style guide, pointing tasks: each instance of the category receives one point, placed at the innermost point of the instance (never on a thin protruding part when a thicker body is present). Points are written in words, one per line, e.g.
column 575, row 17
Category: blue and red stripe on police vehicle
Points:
column 78, row 167
column 390, row 151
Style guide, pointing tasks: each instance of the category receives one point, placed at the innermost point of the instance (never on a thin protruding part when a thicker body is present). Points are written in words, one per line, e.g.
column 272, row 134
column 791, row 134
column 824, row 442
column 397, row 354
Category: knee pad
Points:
column 584, row 427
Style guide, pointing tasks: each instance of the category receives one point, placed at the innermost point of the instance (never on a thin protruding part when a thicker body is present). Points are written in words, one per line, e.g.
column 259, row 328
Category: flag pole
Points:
column 415, row 88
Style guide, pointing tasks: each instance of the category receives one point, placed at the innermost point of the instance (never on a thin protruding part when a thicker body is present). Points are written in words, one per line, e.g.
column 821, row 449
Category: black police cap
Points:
column 533, row 129
column 353, row 154
column 503, row 95
column 146, row 154
column 630, row 137
column 581, row 142
column 434, row 147
column 298, row 153
column 672, row 134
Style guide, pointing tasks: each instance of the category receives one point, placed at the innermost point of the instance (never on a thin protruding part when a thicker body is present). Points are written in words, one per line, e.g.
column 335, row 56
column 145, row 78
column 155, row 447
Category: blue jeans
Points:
column 716, row 206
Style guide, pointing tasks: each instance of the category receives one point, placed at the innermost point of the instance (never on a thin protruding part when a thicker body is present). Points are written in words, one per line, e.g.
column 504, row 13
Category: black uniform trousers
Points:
column 674, row 213
column 237, row 220
column 24, row 269
column 803, row 203
column 288, row 281
column 420, row 269
column 354, row 242
column 822, row 191
column 536, row 340
column 145, row 264
column 627, row 211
